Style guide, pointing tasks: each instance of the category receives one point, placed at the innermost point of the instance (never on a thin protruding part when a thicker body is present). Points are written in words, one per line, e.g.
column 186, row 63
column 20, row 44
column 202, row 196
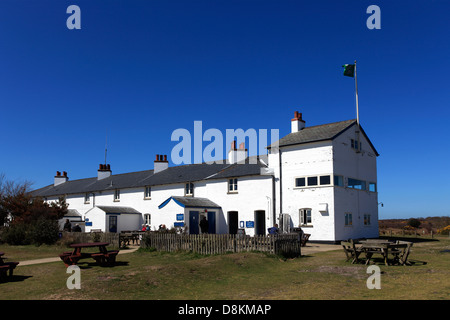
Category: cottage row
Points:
column 321, row 178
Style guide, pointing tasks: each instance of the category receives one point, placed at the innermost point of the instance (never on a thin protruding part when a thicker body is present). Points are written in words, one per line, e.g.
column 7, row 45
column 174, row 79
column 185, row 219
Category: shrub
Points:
column 45, row 232
column 444, row 231
column 17, row 234
column 42, row 232
column 415, row 223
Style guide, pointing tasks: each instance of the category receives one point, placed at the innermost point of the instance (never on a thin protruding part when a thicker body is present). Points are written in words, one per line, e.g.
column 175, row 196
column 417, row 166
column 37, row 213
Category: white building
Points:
column 322, row 178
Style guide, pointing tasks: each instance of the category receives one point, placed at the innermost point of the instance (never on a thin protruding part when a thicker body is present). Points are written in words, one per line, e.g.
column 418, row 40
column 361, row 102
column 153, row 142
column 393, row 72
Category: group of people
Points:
column 68, row 227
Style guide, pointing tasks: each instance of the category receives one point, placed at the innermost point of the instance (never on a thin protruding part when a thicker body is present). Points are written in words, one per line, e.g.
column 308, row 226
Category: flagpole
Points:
column 357, row 113
column 356, row 93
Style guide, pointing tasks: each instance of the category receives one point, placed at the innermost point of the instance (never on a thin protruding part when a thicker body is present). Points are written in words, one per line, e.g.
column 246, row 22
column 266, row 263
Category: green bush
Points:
column 45, row 232
column 17, row 234
column 42, row 232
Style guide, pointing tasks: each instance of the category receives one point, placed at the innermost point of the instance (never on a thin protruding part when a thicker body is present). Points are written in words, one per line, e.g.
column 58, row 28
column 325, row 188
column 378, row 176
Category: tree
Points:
column 415, row 223
column 30, row 219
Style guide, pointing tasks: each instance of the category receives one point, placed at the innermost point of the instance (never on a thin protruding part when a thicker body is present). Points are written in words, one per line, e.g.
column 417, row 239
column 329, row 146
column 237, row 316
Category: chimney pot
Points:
column 108, row 167
column 157, row 157
column 64, row 173
column 233, row 145
column 58, row 173
column 242, row 145
column 297, row 123
column 165, row 157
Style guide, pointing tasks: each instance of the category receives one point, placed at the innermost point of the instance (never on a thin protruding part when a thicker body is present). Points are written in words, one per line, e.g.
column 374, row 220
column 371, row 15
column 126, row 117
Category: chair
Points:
column 305, row 239
column 351, row 251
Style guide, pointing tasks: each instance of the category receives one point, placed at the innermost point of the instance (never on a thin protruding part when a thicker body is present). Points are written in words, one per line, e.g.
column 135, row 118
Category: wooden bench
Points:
column 351, row 251
column 305, row 239
column 108, row 258
column 7, row 266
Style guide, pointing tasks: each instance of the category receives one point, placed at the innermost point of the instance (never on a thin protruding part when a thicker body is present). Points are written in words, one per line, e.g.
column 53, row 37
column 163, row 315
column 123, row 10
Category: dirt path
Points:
column 55, row 259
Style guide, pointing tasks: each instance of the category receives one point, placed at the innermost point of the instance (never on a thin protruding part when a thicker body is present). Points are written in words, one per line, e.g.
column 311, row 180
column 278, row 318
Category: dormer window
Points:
column 233, row 185
column 189, row 189
column 117, row 195
column 147, row 193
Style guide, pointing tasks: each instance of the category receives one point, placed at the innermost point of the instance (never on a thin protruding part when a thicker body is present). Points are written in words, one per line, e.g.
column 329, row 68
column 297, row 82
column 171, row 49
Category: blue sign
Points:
column 88, row 224
column 249, row 224
column 180, row 217
column 178, row 224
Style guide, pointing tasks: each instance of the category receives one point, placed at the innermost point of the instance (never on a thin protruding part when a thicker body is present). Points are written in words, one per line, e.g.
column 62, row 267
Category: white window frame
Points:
column 304, row 213
column 348, row 219
column 325, row 175
column 117, row 195
column 189, row 189
column 147, row 193
column 147, row 219
column 232, row 185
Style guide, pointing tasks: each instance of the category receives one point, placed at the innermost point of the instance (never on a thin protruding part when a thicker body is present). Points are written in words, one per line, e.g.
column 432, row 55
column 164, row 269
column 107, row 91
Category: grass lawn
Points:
column 155, row 275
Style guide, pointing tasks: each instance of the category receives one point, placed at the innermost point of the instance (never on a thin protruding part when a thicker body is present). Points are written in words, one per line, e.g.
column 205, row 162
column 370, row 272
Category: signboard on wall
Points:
column 180, row 217
column 249, row 224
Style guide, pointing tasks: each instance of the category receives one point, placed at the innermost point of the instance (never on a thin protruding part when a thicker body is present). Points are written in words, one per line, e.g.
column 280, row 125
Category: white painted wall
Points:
column 362, row 166
column 254, row 193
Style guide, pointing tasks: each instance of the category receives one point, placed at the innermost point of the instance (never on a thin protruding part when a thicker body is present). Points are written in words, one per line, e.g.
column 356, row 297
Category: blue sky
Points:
column 138, row 70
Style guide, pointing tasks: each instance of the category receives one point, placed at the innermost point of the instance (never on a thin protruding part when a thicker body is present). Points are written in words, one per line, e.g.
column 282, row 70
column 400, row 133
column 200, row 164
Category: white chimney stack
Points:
column 237, row 155
column 160, row 164
column 297, row 123
column 60, row 178
column 104, row 171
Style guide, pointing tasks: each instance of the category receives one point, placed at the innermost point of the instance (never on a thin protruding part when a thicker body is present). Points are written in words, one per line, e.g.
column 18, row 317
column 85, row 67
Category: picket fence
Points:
column 287, row 245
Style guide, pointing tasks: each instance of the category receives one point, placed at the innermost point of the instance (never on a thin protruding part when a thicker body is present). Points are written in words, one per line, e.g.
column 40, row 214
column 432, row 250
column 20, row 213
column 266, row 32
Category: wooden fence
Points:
column 286, row 245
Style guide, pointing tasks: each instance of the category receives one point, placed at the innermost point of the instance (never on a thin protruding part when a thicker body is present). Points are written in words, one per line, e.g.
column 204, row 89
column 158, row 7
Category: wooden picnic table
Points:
column 103, row 257
column 6, row 266
column 399, row 250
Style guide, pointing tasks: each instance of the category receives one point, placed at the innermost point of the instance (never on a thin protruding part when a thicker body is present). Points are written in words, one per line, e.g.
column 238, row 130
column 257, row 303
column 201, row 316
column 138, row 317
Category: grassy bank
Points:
column 154, row 275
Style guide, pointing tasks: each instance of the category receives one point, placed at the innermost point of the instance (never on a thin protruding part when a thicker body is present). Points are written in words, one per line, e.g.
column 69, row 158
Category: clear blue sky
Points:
column 138, row 70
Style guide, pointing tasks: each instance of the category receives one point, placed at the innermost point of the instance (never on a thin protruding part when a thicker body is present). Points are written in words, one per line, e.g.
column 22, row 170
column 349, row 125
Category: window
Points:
column 87, row 198
column 117, row 195
column 367, row 219
column 372, row 187
column 354, row 144
column 324, row 180
column 338, row 181
column 148, row 193
column 300, row 182
column 348, row 219
column 233, row 185
column 305, row 216
column 356, row 184
column 189, row 189
column 312, row 181
column 147, row 219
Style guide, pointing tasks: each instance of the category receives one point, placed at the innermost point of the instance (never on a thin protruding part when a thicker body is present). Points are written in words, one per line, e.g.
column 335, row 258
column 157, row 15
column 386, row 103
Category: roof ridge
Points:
column 327, row 124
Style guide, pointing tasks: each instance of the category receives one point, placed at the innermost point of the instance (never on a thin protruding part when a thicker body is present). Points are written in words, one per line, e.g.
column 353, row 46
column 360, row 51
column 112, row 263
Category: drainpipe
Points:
column 281, row 182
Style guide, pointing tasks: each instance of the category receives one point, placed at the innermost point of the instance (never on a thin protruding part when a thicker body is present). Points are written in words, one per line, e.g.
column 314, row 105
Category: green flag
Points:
column 349, row 70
